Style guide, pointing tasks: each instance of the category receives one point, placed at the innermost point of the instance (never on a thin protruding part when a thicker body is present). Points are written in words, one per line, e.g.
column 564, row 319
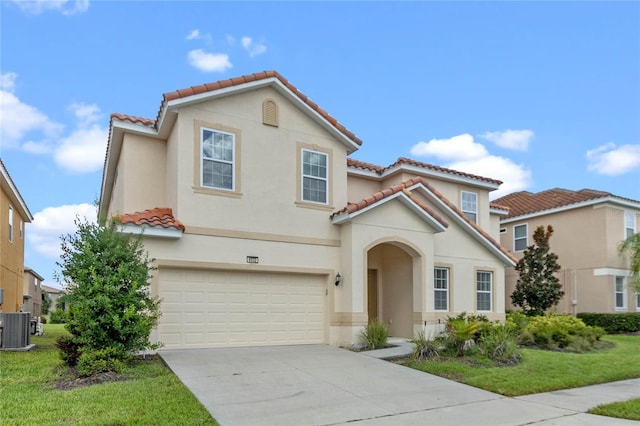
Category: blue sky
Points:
column 536, row 94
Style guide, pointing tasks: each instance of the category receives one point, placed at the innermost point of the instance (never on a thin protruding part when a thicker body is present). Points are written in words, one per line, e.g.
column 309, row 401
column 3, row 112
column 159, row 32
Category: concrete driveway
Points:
column 323, row 385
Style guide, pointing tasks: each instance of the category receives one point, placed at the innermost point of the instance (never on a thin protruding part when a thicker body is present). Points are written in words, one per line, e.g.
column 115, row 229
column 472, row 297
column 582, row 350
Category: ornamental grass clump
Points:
column 375, row 335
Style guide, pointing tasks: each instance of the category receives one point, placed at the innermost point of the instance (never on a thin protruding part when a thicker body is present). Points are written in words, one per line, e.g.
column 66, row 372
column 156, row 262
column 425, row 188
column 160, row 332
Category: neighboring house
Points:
column 588, row 226
column 54, row 295
column 14, row 213
column 265, row 233
column 32, row 292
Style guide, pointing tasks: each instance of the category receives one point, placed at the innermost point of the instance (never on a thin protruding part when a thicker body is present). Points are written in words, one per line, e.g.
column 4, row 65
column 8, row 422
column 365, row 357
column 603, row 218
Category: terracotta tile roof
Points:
column 524, row 202
column 364, row 166
column 494, row 205
column 221, row 84
column 378, row 196
column 153, row 217
column 408, row 161
column 134, row 119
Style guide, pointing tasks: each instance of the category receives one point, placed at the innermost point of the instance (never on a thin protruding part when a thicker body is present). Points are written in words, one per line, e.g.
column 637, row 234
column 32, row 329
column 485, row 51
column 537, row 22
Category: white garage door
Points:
column 226, row 308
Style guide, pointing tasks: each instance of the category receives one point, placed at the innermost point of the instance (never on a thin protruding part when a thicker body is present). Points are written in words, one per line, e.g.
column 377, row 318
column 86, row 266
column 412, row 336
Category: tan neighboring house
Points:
column 264, row 232
column 32, row 292
column 54, row 295
column 588, row 226
column 14, row 213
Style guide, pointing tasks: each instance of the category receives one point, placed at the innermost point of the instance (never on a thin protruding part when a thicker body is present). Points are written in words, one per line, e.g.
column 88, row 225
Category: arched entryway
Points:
column 391, row 270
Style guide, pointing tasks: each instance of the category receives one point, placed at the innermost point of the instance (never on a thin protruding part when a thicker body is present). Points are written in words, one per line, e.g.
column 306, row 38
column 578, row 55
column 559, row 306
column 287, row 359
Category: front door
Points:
column 372, row 290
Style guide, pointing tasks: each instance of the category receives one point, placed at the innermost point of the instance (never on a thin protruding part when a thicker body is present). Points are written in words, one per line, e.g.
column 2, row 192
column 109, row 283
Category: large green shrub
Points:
column 613, row 323
column 106, row 275
column 562, row 331
column 58, row 316
column 375, row 335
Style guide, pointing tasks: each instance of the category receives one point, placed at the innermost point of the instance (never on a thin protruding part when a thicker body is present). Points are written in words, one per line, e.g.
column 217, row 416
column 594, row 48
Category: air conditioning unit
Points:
column 15, row 329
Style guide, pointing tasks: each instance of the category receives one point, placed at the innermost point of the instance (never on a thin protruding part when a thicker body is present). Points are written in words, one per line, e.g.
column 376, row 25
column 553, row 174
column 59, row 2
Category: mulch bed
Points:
column 74, row 381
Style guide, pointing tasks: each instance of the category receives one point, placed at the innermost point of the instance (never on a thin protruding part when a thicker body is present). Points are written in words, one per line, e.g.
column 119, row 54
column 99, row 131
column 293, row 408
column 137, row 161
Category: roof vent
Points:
column 270, row 113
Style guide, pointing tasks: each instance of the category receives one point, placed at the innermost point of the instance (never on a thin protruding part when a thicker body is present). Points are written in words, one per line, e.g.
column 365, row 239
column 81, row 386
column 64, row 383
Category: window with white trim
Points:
column 21, row 227
column 621, row 294
column 629, row 224
column 520, row 237
column 441, row 289
column 315, row 176
column 218, row 158
column 484, row 286
column 470, row 205
column 637, row 302
column 10, row 224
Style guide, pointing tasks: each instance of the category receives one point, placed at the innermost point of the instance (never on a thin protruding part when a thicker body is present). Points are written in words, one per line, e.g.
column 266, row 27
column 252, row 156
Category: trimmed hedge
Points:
column 613, row 323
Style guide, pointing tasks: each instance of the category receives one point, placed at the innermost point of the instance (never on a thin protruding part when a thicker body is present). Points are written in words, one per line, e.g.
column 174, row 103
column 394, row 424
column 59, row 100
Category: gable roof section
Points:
column 167, row 113
column 425, row 169
column 157, row 222
column 12, row 192
column 419, row 184
column 398, row 191
column 526, row 204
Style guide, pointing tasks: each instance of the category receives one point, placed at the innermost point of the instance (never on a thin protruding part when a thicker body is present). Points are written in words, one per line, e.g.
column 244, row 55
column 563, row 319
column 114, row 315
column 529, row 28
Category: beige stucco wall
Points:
column 32, row 304
column 267, row 155
column 585, row 240
column 11, row 256
column 142, row 160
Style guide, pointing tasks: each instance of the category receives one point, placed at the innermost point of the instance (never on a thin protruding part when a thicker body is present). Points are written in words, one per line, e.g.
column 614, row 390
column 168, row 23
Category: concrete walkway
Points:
column 323, row 385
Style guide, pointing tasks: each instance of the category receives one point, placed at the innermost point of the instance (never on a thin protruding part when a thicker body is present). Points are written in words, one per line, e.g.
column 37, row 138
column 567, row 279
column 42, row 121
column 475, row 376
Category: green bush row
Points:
column 613, row 323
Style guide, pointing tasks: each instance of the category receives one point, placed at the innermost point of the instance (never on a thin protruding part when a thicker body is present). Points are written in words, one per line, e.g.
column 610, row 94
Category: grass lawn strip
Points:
column 544, row 371
column 150, row 395
column 624, row 410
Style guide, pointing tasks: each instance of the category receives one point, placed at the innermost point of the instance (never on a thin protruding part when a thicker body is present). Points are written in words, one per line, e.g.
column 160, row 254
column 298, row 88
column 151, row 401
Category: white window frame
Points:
column 21, row 229
column 629, row 223
column 623, row 292
column 526, row 237
column 317, row 178
column 214, row 160
column 489, row 292
column 465, row 208
column 10, row 224
column 441, row 290
column 637, row 302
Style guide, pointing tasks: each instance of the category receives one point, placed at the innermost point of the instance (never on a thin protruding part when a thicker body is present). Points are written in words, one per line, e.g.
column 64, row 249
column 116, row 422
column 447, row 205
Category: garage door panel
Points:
column 224, row 308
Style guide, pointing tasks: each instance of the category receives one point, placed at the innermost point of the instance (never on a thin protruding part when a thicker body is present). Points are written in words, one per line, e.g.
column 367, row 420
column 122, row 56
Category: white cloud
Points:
column 515, row 177
column 66, row 7
column 253, row 48
column 8, row 81
column 83, row 151
column 461, row 147
column 612, row 160
column 462, row 153
column 209, row 62
column 197, row 35
column 49, row 224
column 18, row 119
column 38, row 148
column 511, row 139
column 193, row 35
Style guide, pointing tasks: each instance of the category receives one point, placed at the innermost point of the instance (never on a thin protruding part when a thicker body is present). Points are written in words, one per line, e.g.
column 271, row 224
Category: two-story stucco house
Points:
column 14, row 213
column 32, row 292
column 264, row 232
column 588, row 226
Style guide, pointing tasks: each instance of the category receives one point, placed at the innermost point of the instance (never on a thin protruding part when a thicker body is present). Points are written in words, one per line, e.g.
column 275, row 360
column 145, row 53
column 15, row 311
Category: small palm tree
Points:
column 630, row 248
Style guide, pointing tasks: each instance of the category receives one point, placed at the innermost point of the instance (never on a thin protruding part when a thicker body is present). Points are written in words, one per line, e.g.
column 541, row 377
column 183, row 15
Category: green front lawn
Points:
column 152, row 395
column 624, row 410
column 543, row 371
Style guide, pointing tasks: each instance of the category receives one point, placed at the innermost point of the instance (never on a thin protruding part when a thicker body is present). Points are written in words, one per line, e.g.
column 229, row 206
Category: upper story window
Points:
column 470, row 205
column 441, row 289
column 315, row 176
column 21, row 228
column 35, row 283
column 621, row 299
column 484, row 283
column 218, row 158
column 10, row 224
column 629, row 223
column 520, row 237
